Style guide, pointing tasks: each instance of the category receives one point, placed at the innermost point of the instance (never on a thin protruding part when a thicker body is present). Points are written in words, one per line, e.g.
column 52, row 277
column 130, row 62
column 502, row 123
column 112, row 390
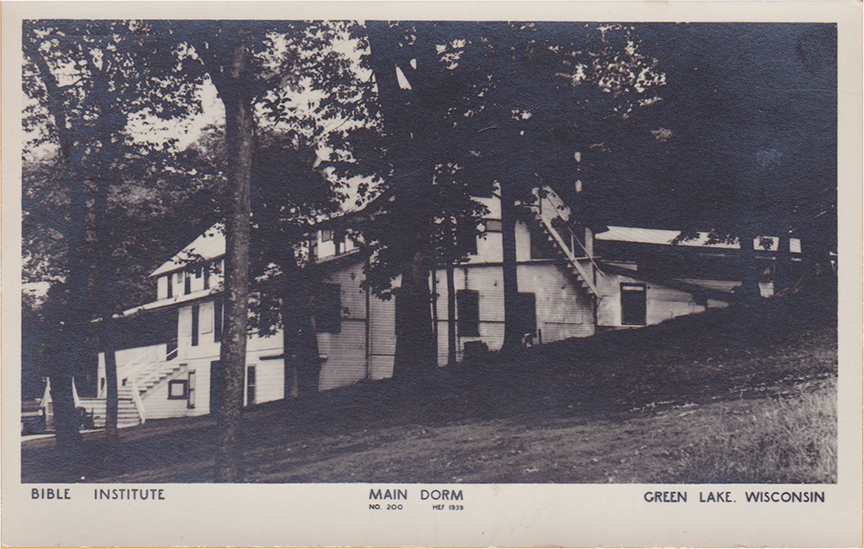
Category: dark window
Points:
column 250, row 385
column 170, row 285
column 198, row 270
column 328, row 309
column 339, row 242
column 171, row 347
column 187, row 283
column 178, row 389
column 526, row 313
column 217, row 321
column 191, row 390
column 326, row 235
column 633, row 304
column 468, row 313
column 195, row 314
column 493, row 225
column 536, row 248
column 206, row 276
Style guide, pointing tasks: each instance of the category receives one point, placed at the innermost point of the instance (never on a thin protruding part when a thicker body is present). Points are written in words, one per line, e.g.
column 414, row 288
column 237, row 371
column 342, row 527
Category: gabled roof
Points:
column 210, row 245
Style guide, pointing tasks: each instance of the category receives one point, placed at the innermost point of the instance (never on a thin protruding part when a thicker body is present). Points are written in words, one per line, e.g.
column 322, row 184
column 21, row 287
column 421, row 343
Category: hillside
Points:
column 704, row 398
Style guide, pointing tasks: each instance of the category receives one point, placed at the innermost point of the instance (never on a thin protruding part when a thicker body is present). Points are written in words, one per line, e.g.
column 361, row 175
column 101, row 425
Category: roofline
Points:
column 184, row 266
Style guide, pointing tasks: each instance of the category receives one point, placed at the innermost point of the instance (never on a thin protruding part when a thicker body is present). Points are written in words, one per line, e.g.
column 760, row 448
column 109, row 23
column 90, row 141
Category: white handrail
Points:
column 570, row 256
column 139, row 404
column 132, row 369
column 46, row 394
column 573, row 236
column 75, row 398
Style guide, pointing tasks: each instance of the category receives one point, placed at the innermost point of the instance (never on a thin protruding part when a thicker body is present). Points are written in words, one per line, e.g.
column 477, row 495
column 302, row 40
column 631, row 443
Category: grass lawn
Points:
column 700, row 399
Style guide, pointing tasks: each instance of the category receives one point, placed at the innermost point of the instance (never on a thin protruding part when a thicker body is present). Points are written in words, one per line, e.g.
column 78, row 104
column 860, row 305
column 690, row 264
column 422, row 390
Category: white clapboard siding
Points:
column 344, row 353
column 662, row 303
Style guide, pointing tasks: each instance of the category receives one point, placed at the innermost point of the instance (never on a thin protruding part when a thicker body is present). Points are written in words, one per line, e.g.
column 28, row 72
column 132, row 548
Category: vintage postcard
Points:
column 436, row 274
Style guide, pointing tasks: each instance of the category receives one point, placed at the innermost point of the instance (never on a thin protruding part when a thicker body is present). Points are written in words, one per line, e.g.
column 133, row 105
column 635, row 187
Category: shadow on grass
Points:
column 695, row 359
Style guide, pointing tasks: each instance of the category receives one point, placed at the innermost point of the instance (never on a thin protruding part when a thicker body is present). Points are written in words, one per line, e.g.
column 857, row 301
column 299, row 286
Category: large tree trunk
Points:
column 512, row 337
column 299, row 341
column 68, row 438
column 405, row 112
column 783, row 277
column 415, row 349
column 749, row 293
column 70, row 331
column 236, row 96
column 105, row 305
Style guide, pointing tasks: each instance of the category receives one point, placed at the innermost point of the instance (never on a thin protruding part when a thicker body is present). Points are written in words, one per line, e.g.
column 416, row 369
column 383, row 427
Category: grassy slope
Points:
column 697, row 399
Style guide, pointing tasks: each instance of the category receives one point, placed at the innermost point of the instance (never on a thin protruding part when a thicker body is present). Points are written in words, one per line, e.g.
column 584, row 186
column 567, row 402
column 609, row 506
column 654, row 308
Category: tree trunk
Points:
column 111, row 401
column 451, row 316
column 105, row 304
column 65, row 417
column 512, row 337
column 783, row 265
column 289, row 351
column 71, row 330
column 749, row 291
column 299, row 343
column 415, row 342
column 235, row 93
column 406, row 115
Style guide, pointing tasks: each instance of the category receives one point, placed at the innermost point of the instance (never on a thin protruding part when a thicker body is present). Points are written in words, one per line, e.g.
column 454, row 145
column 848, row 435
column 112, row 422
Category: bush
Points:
column 786, row 440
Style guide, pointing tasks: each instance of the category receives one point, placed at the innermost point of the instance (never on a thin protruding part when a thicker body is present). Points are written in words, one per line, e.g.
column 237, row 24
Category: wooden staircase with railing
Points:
column 566, row 244
column 154, row 375
column 127, row 412
column 133, row 385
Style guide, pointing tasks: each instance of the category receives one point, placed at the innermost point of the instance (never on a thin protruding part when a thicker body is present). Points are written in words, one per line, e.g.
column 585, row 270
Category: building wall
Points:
column 382, row 340
column 562, row 309
column 269, row 385
column 158, row 406
column 177, row 280
column 662, row 303
column 344, row 354
column 489, row 246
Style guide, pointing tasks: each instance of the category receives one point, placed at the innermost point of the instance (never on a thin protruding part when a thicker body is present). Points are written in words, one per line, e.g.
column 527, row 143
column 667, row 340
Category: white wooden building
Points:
column 566, row 289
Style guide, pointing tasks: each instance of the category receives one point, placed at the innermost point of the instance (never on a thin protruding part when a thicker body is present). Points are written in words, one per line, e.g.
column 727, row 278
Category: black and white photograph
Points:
column 393, row 252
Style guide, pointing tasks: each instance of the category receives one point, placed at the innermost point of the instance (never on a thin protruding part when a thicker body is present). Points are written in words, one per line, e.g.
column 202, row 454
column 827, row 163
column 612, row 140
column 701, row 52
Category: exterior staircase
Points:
column 152, row 376
column 548, row 212
column 129, row 412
